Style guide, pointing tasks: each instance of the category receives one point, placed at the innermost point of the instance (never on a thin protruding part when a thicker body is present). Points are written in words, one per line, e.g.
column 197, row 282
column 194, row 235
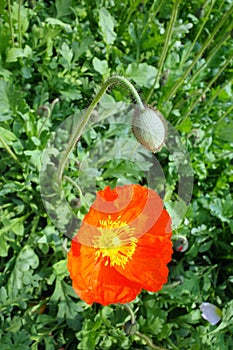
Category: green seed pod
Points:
column 149, row 128
column 130, row 328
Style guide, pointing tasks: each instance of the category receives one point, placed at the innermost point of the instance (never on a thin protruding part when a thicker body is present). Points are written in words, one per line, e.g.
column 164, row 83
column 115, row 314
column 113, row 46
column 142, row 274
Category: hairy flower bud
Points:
column 149, row 128
column 130, row 328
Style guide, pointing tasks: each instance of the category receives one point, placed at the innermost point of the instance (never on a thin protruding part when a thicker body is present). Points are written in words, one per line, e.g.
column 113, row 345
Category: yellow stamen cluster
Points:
column 115, row 241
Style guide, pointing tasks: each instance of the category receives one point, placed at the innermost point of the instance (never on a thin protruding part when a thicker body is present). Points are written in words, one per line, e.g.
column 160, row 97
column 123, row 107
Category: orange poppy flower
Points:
column 122, row 246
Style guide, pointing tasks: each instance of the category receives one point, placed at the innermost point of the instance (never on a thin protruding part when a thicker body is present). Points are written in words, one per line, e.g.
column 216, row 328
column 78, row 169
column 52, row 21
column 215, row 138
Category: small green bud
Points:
column 130, row 328
column 149, row 128
column 181, row 244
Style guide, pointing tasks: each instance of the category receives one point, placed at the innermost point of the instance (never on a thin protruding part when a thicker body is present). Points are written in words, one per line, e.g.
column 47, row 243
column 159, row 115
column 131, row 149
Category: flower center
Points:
column 115, row 241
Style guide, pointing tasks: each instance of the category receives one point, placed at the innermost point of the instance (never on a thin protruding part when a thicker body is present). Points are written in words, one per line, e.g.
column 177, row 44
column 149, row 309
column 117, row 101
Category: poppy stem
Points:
column 130, row 310
column 49, row 113
column 83, row 122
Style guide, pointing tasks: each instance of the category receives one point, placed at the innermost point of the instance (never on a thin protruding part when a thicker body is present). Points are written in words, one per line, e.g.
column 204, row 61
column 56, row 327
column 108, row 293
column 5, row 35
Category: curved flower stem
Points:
column 130, row 310
column 149, row 341
column 75, row 185
column 81, row 125
column 49, row 113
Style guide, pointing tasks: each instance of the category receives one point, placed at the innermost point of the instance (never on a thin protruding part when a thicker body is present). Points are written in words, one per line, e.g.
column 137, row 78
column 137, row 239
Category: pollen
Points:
column 115, row 242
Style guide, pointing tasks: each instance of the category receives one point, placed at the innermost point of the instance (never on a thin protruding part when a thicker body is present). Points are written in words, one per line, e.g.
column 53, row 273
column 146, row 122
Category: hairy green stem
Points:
column 80, row 127
column 180, row 81
column 228, row 111
column 49, row 113
column 19, row 25
column 165, row 47
column 217, row 92
column 194, row 104
column 220, row 43
column 198, row 34
column 125, row 21
column 209, row 102
column 154, row 9
column 130, row 310
column 73, row 183
column 10, row 23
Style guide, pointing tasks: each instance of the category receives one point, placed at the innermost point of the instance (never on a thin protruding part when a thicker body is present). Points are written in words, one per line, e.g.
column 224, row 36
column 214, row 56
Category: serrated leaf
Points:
column 67, row 308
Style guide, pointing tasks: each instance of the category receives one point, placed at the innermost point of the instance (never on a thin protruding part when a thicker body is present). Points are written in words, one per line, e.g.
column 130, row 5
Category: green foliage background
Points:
column 53, row 57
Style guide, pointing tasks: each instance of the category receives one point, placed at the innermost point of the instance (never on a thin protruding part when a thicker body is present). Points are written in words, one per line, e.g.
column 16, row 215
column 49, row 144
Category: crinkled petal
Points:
column 95, row 282
column 137, row 206
column 148, row 265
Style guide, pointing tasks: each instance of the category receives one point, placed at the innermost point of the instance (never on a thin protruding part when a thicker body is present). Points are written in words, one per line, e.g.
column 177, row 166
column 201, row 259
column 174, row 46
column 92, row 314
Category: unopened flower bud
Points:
column 180, row 244
column 149, row 128
column 130, row 328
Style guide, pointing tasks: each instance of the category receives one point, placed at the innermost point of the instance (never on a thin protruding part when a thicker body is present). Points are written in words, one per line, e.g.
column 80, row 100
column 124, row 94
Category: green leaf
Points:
column 63, row 7
column 66, row 53
column 22, row 272
column 7, row 136
column 58, row 22
column 185, row 126
column 60, row 269
column 4, row 98
column 2, row 6
column 35, row 156
column 14, row 53
column 101, row 67
column 106, row 23
column 225, row 131
column 143, row 74
column 4, row 247
column 67, row 308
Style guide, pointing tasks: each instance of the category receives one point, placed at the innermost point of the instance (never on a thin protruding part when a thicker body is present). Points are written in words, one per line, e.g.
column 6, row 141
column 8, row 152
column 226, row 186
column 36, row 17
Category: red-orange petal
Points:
column 138, row 206
column 148, row 265
column 95, row 282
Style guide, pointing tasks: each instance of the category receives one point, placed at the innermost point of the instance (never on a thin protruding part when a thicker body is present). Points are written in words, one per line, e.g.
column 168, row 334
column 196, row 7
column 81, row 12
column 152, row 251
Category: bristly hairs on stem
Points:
column 74, row 137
